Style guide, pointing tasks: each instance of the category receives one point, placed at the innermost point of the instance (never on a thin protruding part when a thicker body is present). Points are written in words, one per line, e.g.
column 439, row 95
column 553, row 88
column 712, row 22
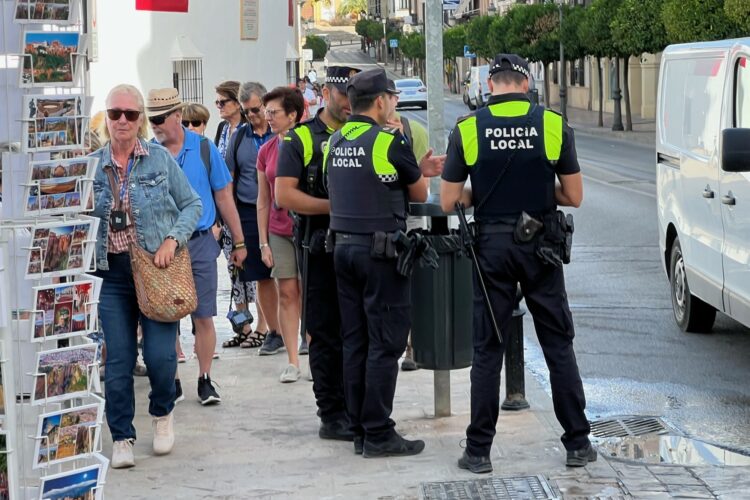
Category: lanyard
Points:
column 124, row 182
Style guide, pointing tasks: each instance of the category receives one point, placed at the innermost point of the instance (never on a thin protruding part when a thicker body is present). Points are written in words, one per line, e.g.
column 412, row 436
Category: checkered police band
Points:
column 515, row 67
column 337, row 79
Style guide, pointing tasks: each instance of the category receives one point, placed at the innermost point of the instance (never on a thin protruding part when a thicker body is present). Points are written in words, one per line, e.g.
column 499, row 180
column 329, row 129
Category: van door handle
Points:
column 728, row 200
column 708, row 192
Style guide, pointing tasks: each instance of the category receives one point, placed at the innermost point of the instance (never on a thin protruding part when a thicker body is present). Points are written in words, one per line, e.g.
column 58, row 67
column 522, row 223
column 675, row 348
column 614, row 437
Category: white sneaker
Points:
column 163, row 434
column 290, row 374
column 122, row 454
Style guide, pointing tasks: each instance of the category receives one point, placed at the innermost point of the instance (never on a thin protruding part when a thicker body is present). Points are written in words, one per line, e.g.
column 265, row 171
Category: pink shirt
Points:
column 279, row 222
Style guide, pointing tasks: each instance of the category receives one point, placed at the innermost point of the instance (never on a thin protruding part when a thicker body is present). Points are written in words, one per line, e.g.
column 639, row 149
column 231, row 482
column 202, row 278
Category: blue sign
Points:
column 450, row 4
column 468, row 53
column 393, row 43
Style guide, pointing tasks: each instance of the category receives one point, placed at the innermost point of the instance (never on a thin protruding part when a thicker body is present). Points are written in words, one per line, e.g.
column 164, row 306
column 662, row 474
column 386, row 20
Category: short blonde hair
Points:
column 194, row 111
column 124, row 88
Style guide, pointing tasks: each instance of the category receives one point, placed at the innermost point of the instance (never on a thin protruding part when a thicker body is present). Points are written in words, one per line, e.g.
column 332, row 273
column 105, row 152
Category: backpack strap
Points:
column 407, row 130
column 206, row 156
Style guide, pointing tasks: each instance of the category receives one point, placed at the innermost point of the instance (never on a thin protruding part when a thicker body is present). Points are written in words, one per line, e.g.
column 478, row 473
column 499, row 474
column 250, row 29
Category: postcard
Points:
column 50, row 58
column 67, row 434
column 78, row 484
column 44, row 11
column 58, row 186
column 61, row 248
column 63, row 373
column 4, row 479
column 53, row 123
column 64, row 310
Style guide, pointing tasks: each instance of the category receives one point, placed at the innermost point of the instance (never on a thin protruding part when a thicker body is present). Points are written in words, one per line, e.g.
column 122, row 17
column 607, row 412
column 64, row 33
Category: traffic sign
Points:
column 468, row 53
column 393, row 43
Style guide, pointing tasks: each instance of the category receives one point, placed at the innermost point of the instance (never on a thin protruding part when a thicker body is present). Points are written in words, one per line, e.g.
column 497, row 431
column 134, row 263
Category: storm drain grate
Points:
column 492, row 488
column 627, row 426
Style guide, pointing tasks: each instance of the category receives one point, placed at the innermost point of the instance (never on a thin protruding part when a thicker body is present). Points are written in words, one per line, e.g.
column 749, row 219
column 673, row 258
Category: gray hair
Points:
column 248, row 89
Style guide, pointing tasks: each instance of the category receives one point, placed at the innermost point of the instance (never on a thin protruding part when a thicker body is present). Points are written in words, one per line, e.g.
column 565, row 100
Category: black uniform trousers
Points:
column 504, row 264
column 323, row 323
column 375, row 320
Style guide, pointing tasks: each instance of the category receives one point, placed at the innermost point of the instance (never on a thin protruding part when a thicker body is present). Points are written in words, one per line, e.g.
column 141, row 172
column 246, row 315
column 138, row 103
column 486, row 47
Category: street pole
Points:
column 385, row 44
column 617, row 119
column 563, row 83
column 433, row 32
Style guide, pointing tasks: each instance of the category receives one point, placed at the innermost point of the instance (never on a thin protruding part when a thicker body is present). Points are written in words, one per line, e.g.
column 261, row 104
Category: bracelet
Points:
column 263, row 245
column 238, row 245
column 173, row 239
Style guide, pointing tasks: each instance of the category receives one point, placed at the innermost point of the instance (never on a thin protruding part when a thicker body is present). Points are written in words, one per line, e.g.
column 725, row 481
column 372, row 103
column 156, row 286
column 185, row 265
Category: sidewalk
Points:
column 262, row 442
column 585, row 122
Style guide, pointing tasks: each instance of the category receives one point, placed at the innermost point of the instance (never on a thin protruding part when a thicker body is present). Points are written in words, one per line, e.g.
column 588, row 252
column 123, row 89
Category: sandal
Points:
column 253, row 339
column 237, row 340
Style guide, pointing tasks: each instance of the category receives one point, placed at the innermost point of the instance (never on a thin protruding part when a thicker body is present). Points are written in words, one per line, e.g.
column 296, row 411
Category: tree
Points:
column 477, row 36
column 595, row 34
column 454, row 40
column 375, row 33
column 413, row 47
column 318, row 46
column 352, row 7
column 738, row 11
column 637, row 28
column 697, row 20
column 498, row 34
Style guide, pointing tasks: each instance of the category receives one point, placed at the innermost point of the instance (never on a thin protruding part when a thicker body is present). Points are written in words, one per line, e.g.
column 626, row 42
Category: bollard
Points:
column 515, row 390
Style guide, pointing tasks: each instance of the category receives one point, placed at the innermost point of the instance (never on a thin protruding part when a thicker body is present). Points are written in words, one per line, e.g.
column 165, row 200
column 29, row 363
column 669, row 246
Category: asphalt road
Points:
column 633, row 358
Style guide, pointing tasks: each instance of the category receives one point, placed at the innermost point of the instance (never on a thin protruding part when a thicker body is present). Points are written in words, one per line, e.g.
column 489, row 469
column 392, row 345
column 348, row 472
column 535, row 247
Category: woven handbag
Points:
column 167, row 294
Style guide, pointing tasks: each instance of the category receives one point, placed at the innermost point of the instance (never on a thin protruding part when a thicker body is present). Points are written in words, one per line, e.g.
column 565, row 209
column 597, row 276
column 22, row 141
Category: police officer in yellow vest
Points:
column 372, row 173
column 515, row 154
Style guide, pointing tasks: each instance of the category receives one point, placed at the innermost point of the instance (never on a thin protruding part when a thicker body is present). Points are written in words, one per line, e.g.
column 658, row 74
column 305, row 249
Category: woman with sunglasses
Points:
column 284, row 109
column 142, row 197
column 230, row 111
column 195, row 118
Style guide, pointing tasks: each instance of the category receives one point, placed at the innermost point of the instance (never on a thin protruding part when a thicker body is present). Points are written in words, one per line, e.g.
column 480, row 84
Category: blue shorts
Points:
column 204, row 250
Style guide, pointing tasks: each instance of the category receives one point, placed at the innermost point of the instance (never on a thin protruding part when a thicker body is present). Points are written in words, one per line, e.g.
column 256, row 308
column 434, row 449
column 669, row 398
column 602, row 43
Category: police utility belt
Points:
column 553, row 234
column 404, row 249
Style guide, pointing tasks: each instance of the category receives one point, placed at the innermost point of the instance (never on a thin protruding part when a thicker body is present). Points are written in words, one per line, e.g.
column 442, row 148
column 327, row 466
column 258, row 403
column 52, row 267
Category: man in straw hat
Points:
column 209, row 176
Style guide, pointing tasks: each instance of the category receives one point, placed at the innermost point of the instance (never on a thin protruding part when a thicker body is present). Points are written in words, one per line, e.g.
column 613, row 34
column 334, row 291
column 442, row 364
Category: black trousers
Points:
column 375, row 321
column 323, row 323
column 505, row 264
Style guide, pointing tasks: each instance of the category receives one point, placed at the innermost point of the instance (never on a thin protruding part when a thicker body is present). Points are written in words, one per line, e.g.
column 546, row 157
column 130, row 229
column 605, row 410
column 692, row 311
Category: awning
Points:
column 291, row 53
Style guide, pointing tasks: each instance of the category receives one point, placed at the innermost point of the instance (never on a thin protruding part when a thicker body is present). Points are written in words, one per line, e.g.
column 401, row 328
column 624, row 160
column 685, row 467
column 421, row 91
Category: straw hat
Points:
column 162, row 101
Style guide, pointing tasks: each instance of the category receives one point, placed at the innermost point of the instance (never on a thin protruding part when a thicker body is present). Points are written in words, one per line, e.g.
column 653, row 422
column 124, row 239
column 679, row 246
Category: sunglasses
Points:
column 131, row 115
column 158, row 120
column 194, row 123
column 254, row 110
column 220, row 103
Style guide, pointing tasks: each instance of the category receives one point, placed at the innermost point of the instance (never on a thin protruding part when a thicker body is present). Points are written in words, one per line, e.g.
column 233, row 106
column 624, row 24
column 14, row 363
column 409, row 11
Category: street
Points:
column 633, row 358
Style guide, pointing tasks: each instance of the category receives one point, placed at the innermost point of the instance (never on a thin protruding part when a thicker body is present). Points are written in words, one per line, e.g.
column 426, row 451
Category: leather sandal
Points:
column 253, row 339
column 237, row 340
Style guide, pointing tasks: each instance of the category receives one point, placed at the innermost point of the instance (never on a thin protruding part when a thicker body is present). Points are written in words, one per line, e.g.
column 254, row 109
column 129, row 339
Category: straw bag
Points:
column 167, row 294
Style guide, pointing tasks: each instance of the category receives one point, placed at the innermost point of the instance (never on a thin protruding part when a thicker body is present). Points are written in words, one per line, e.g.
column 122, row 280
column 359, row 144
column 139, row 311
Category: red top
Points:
column 279, row 222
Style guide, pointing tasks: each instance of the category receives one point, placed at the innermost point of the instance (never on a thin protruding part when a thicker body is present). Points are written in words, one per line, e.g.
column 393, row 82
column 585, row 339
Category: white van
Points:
column 477, row 91
column 703, row 180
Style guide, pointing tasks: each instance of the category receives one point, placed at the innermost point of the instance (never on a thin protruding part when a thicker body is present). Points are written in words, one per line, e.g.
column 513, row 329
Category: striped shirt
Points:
column 119, row 241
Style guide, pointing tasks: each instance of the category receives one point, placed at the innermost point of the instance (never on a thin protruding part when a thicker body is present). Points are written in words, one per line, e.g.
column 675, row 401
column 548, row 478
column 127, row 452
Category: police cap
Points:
column 339, row 76
column 370, row 82
column 510, row 62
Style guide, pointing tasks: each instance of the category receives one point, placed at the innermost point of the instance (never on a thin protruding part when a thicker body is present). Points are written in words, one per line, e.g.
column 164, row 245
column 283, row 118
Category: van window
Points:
column 691, row 97
column 742, row 97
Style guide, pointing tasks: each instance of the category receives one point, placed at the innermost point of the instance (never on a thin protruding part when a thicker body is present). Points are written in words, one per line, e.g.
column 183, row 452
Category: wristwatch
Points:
column 170, row 237
column 263, row 245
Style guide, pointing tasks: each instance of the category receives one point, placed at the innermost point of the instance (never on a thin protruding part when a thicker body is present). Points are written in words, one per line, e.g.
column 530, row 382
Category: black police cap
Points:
column 510, row 62
column 339, row 76
column 370, row 82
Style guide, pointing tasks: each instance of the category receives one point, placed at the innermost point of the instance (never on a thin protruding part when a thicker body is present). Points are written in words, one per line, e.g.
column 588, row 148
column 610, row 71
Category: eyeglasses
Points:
column 159, row 120
column 131, row 115
column 194, row 123
column 220, row 103
column 254, row 110
column 272, row 112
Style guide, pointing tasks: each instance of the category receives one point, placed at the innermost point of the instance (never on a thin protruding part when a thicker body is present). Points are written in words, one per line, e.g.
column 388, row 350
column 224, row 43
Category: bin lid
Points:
column 431, row 208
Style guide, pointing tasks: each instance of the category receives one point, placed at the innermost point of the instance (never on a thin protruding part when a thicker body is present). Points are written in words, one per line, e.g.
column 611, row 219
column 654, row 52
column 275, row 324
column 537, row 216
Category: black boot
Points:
column 477, row 465
column 395, row 446
column 337, row 430
column 580, row 457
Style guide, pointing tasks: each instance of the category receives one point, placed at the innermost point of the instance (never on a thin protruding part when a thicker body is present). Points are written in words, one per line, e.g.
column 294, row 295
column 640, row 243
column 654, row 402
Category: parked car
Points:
column 413, row 93
column 476, row 90
column 703, row 180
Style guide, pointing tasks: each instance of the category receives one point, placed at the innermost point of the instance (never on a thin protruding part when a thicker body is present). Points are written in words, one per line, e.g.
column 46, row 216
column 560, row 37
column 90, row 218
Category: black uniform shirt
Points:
column 291, row 162
column 456, row 170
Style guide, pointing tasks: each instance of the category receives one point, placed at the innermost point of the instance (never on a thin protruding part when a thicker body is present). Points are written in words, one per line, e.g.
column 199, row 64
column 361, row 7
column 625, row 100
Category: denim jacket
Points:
column 162, row 203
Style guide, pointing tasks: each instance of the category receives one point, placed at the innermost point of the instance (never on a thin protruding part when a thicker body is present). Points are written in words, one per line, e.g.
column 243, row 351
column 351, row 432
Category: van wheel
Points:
column 690, row 312
column 471, row 105
column 466, row 98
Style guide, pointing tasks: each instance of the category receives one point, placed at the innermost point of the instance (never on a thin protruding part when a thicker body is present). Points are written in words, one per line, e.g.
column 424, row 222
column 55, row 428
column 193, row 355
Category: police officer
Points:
column 372, row 173
column 514, row 152
column 300, row 188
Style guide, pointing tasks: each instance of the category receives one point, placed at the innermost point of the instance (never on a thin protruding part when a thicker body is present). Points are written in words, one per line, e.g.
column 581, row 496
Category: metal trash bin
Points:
column 442, row 299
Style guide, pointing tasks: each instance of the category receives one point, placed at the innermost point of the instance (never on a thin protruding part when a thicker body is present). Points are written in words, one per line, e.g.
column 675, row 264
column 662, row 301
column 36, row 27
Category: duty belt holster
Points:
column 556, row 243
column 383, row 246
column 318, row 242
column 526, row 228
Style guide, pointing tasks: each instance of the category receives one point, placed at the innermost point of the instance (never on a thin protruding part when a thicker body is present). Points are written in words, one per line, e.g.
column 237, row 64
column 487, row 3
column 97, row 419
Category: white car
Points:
column 413, row 93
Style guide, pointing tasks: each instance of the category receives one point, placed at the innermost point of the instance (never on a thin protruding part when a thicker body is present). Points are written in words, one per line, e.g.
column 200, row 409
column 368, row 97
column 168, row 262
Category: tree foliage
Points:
column 637, row 27
column 375, row 31
column 360, row 27
column 454, row 40
column 318, row 46
column 594, row 30
column 697, row 20
column 497, row 35
column 572, row 18
column 352, row 7
column 413, row 46
column 533, row 31
column 477, row 36
column 738, row 11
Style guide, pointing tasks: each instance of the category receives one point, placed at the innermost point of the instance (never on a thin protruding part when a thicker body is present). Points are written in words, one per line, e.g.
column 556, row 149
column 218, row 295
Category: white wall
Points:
column 135, row 46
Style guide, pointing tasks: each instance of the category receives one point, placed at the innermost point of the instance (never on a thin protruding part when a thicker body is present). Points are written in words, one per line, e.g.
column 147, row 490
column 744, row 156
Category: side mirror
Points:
column 735, row 150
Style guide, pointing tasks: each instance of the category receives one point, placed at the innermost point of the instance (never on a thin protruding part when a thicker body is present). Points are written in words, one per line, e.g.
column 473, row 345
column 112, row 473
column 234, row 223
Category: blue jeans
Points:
column 119, row 315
